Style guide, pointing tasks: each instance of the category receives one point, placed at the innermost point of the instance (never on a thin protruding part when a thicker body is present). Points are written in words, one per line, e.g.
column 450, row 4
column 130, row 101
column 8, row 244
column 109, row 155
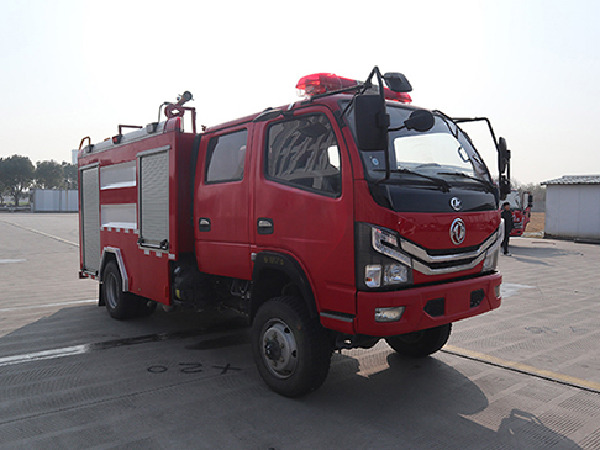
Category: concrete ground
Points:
column 524, row 376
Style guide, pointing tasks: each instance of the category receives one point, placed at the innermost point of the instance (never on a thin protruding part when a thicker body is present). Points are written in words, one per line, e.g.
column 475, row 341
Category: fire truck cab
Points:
column 521, row 203
column 343, row 218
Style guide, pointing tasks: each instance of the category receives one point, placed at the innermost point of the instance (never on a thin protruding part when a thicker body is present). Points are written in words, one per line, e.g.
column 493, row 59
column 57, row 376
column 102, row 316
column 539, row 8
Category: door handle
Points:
column 265, row 225
column 204, row 224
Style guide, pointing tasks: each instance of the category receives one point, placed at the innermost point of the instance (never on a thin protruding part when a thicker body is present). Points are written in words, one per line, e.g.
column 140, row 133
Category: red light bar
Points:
column 403, row 97
column 321, row 83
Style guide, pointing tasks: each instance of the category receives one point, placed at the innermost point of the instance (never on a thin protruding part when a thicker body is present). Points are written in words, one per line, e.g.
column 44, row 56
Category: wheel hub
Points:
column 272, row 350
column 111, row 290
column 279, row 349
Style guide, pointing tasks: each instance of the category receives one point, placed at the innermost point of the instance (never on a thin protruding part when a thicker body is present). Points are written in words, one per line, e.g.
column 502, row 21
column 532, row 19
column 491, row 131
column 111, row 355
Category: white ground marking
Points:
column 47, row 305
column 45, row 354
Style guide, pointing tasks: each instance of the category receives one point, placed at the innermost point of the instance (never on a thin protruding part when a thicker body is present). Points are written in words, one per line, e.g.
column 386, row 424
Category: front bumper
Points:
column 428, row 306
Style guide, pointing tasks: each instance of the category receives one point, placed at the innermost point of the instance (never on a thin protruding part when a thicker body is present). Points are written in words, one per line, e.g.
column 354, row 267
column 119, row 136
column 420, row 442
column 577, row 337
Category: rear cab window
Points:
column 225, row 157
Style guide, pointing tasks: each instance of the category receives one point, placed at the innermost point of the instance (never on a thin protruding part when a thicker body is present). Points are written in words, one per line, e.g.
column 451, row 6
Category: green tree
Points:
column 70, row 175
column 16, row 173
column 48, row 175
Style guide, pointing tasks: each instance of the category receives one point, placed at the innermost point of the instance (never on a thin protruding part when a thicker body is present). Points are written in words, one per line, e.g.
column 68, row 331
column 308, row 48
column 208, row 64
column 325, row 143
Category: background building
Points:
column 573, row 207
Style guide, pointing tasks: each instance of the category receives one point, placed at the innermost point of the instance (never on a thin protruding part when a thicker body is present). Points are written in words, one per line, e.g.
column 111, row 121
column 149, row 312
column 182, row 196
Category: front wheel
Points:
column 292, row 351
column 420, row 343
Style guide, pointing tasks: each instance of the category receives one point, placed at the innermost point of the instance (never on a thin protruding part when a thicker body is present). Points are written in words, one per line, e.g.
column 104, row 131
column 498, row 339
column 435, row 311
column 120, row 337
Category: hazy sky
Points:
column 69, row 69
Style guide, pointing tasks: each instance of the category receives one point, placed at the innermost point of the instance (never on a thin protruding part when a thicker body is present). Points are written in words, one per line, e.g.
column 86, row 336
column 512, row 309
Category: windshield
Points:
column 444, row 152
column 514, row 198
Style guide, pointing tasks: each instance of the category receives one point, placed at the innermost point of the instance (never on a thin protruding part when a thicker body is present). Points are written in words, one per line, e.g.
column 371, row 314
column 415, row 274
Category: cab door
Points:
column 304, row 202
column 222, row 204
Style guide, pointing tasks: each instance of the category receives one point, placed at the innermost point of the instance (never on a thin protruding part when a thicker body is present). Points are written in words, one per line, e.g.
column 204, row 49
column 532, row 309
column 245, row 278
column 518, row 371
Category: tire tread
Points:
column 318, row 349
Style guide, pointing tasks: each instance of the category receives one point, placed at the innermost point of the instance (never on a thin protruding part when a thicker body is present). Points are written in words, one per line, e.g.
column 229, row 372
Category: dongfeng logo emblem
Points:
column 457, row 231
column 455, row 203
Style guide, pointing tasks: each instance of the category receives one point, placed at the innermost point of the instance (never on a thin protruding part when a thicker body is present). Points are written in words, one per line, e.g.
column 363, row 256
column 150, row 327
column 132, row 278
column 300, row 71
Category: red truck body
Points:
column 243, row 215
column 520, row 205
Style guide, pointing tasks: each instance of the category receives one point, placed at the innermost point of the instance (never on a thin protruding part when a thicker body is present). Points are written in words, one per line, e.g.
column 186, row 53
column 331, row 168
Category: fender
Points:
column 280, row 262
column 120, row 264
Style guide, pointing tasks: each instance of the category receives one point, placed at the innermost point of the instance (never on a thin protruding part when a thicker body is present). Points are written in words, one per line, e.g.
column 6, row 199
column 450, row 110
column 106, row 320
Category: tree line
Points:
column 18, row 174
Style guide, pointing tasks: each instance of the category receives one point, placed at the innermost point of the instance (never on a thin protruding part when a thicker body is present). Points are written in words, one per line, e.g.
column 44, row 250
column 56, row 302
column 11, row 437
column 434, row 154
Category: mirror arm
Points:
column 501, row 176
column 478, row 119
column 496, row 143
column 508, row 165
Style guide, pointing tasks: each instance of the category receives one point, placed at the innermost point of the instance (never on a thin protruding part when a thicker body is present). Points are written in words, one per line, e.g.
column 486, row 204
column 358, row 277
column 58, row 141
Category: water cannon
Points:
column 184, row 98
column 173, row 110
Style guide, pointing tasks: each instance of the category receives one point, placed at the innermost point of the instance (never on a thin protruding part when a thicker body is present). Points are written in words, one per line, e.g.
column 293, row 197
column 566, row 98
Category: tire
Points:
column 292, row 352
column 420, row 343
column 120, row 305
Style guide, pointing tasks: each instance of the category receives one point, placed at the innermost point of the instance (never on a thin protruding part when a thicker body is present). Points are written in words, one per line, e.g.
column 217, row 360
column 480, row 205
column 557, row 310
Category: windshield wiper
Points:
column 487, row 184
column 442, row 184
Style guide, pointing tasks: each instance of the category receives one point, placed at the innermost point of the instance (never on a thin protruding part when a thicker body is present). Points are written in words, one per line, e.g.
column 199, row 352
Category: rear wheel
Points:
column 292, row 351
column 420, row 343
column 122, row 305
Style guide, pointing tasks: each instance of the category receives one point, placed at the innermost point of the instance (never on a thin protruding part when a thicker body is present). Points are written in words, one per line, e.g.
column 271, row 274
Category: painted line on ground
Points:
column 45, row 354
column 11, row 261
column 48, row 305
column 525, row 369
column 105, row 345
column 122, row 342
column 51, row 236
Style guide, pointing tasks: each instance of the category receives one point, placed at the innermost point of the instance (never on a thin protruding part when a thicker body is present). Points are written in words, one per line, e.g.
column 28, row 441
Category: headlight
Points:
column 386, row 243
column 395, row 274
column 380, row 260
column 491, row 258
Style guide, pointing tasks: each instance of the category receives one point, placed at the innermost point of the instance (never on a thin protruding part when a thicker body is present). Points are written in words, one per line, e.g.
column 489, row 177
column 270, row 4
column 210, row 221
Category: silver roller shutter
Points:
column 90, row 199
column 153, row 191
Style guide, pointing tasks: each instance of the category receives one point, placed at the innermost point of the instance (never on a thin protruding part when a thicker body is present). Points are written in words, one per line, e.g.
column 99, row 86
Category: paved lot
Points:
column 524, row 376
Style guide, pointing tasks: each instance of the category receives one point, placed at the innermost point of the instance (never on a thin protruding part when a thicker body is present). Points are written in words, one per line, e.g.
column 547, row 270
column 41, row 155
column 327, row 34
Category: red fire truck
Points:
column 343, row 218
column 521, row 214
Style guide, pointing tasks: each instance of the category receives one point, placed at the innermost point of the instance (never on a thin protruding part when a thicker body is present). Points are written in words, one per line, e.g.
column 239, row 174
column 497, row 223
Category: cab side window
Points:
column 304, row 153
column 225, row 157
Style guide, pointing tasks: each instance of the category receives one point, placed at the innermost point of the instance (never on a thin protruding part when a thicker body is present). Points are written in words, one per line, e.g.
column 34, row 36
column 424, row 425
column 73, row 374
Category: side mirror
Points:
column 503, row 155
column 397, row 82
column 420, row 120
column 504, row 185
column 529, row 200
column 371, row 122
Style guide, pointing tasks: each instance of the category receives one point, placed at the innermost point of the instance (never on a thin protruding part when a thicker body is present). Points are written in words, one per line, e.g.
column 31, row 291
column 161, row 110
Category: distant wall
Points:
column 54, row 200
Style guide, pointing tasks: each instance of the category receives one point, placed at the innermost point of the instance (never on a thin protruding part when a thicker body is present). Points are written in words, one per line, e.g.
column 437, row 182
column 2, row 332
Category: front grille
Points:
column 451, row 251
column 440, row 261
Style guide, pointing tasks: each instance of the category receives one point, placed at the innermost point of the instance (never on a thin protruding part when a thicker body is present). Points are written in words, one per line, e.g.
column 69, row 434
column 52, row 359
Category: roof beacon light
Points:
column 321, row 83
